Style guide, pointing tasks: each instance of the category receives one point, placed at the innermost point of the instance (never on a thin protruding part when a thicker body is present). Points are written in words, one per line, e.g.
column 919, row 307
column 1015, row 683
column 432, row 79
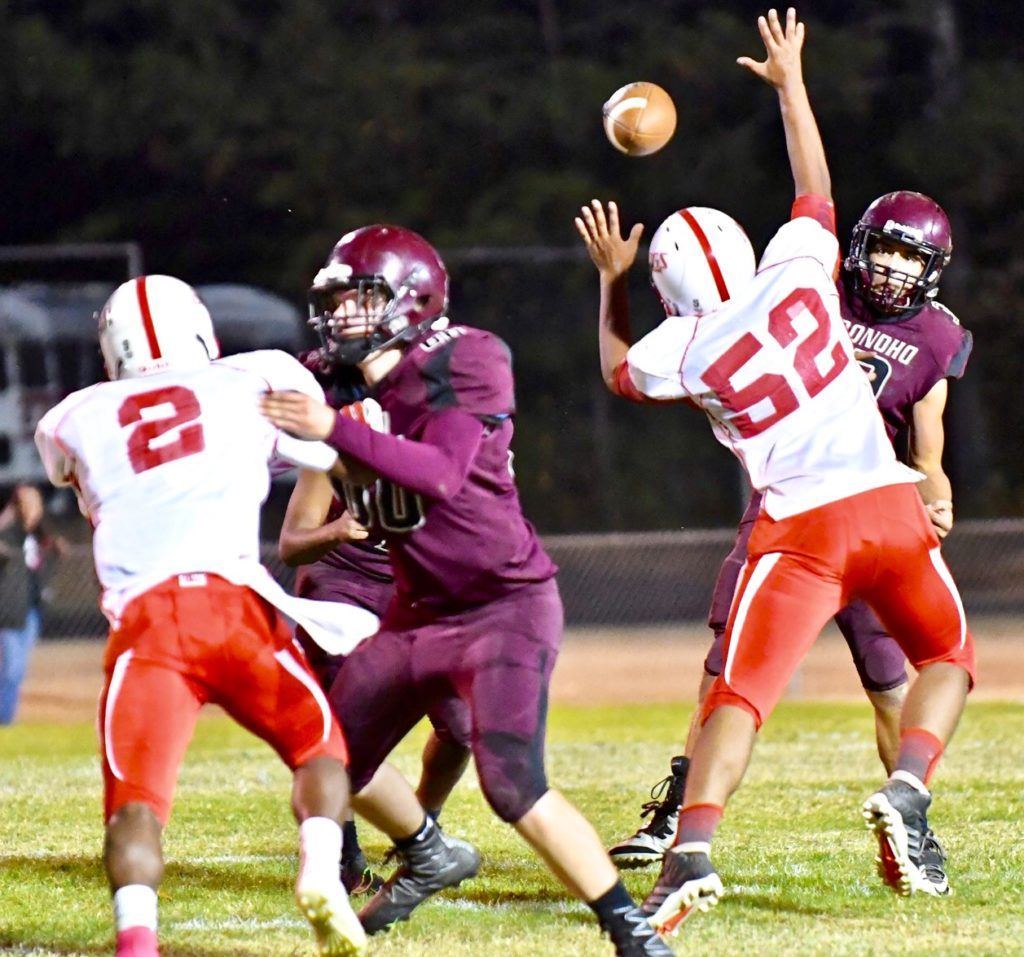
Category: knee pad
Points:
column 511, row 773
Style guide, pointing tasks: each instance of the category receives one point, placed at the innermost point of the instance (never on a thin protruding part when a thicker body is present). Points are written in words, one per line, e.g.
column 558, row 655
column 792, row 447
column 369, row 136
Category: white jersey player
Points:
column 764, row 353
column 171, row 466
column 171, row 462
column 774, row 370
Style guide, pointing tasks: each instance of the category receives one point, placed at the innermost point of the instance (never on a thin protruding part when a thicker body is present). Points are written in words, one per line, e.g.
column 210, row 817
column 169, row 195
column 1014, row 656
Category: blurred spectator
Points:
column 25, row 543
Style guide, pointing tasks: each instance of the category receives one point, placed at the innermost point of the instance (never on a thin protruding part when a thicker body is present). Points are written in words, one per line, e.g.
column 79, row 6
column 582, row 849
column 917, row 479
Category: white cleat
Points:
column 337, row 929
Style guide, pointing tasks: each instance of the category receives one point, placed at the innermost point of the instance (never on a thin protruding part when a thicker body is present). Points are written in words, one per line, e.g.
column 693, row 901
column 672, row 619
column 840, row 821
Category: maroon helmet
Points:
column 907, row 220
column 396, row 284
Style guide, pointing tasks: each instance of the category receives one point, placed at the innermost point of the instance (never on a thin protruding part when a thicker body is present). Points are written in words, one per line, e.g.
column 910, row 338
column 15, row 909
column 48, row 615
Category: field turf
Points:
column 792, row 850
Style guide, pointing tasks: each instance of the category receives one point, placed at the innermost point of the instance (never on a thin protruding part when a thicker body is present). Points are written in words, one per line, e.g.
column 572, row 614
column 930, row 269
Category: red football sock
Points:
column 697, row 823
column 137, row 942
column 919, row 753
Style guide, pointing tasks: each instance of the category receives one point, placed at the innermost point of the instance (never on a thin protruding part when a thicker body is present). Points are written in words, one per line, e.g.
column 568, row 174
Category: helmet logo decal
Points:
column 333, row 272
column 891, row 226
column 709, row 255
column 147, row 317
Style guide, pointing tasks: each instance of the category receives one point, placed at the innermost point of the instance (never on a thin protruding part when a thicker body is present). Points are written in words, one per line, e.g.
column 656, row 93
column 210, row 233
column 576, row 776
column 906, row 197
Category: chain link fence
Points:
column 615, row 580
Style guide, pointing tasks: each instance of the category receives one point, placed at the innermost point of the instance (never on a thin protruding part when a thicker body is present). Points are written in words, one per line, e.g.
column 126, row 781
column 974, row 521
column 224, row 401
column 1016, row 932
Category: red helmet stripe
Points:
column 709, row 254
column 147, row 317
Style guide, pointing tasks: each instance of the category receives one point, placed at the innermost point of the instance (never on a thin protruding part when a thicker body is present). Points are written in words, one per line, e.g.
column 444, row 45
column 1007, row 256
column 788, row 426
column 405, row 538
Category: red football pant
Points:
column 195, row 639
column 878, row 546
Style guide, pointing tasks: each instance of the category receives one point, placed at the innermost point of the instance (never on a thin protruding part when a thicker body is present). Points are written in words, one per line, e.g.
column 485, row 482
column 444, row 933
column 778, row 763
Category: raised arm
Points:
column 613, row 256
column 782, row 69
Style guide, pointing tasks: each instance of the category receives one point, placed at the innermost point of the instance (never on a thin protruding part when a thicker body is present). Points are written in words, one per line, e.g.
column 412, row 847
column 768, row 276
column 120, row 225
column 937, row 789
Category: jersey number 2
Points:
column 773, row 386
column 185, row 409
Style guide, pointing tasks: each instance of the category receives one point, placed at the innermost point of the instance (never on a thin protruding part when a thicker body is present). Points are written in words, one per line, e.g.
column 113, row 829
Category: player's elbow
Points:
column 289, row 551
column 443, row 488
column 928, row 462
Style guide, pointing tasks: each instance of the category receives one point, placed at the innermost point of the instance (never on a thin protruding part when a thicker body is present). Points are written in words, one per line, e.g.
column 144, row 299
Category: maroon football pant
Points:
column 497, row 659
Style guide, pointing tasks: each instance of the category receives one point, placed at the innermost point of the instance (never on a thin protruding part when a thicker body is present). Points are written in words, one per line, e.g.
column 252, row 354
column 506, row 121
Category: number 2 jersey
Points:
column 171, row 470
column 774, row 371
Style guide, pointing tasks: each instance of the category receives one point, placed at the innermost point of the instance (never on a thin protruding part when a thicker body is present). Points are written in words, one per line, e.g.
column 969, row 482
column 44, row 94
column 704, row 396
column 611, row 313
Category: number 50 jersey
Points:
column 774, row 371
column 171, row 469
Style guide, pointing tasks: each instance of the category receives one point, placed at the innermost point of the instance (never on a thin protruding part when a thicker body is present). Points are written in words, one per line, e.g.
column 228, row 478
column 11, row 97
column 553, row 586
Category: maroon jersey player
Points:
column 476, row 610
column 341, row 561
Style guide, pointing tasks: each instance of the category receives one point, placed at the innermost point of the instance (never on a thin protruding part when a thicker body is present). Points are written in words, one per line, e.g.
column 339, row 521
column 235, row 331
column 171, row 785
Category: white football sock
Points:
column 135, row 906
column 319, row 850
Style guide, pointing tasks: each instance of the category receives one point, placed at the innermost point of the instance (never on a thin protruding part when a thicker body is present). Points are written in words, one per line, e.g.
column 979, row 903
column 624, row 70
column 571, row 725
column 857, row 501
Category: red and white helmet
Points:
column 152, row 324
column 699, row 259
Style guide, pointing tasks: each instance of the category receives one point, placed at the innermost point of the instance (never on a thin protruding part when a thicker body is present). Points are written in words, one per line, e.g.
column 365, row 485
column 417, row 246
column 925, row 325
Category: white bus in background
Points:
column 48, row 348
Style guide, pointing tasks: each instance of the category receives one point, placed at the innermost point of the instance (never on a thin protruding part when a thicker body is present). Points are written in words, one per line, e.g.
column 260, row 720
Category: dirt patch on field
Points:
column 597, row 666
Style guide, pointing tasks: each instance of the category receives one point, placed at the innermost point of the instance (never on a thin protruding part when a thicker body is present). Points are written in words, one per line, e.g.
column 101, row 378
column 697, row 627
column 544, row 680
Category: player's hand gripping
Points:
column 941, row 514
column 611, row 254
column 782, row 44
column 298, row 414
column 346, row 529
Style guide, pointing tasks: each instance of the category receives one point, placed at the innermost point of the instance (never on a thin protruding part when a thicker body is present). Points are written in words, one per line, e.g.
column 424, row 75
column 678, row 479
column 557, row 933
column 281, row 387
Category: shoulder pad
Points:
column 943, row 310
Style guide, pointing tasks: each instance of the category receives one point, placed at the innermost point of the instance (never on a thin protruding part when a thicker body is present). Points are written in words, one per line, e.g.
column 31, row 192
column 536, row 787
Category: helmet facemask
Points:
column 359, row 316
column 888, row 290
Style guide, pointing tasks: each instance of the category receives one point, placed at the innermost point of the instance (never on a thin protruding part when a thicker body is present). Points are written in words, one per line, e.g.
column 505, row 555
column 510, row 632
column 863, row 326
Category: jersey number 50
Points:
column 772, row 385
column 185, row 408
column 392, row 508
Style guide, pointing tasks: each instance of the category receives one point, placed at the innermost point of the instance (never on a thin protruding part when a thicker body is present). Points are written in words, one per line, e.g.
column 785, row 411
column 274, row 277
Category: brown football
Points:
column 639, row 119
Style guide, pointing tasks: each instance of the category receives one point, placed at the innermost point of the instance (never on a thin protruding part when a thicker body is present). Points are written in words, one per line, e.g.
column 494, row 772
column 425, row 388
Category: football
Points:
column 639, row 119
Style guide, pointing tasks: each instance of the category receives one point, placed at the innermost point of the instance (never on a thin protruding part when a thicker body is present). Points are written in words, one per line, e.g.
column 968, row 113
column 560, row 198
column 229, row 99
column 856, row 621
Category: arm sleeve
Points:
column 281, row 372
column 435, row 466
column 472, row 373
column 290, row 451
column 818, row 208
column 958, row 363
column 57, row 458
column 651, row 369
column 950, row 345
column 804, row 237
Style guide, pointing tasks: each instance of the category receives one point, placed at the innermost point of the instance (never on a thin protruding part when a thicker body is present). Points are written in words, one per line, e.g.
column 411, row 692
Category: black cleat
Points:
column 357, row 875
column 633, row 936
column 933, row 864
column 430, row 865
column 910, row 858
column 687, row 883
column 651, row 841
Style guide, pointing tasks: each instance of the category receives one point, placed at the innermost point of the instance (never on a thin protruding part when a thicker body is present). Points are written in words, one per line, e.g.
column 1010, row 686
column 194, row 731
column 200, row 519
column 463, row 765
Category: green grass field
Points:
column 792, row 851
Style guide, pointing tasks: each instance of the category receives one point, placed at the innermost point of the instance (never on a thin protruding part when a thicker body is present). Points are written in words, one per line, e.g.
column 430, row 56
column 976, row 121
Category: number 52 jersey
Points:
column 171, row 470
column 774, row 371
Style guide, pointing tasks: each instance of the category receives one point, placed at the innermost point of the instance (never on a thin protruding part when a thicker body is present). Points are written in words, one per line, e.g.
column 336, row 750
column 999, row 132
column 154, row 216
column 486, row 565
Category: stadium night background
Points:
column 232, row 143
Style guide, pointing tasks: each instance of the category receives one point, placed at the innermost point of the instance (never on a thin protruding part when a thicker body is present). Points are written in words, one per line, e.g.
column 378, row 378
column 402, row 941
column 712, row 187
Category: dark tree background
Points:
column 237, row 141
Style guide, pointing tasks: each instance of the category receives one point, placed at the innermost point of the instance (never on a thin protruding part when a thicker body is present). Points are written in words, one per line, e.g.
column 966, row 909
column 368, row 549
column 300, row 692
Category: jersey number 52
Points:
column 773, row 386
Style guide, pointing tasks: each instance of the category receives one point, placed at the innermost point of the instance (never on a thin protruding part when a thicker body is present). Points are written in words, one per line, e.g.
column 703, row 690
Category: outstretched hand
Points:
column 612, row 254
column 782, row 45
column 298, row 414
